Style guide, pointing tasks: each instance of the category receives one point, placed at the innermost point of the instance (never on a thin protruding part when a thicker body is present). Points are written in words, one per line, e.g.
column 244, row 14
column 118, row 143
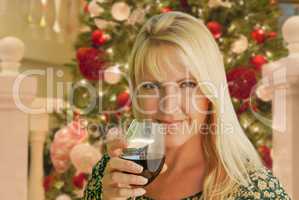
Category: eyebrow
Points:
column 179, row 80
column 188, row 78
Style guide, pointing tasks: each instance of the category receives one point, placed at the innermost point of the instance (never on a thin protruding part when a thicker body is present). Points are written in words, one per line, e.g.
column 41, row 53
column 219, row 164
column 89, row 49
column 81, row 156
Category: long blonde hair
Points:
column 228, row 155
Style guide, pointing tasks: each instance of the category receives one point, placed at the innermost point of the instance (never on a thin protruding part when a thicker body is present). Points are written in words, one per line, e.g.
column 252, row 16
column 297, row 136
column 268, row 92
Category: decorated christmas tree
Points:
column 246, row 32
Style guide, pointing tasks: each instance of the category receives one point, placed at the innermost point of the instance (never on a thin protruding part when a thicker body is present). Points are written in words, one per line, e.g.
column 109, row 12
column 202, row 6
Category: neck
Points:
column 185, row 157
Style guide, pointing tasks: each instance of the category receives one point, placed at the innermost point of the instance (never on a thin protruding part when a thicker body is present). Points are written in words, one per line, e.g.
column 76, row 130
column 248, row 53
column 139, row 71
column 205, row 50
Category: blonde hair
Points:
column 228, row 155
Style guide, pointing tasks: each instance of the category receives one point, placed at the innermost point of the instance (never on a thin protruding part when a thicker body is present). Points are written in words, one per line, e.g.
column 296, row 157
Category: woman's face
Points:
column 176, row 100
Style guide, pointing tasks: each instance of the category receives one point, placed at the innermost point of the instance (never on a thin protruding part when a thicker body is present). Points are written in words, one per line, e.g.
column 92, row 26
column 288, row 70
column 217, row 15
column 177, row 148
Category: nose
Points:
column 169, row 103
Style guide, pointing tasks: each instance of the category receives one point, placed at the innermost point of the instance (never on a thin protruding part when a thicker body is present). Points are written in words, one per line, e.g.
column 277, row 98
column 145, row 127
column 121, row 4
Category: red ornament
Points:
column 243, row 107
column 258, row 35
column 240, row 82
column 118, row 116
column 106, row 117
column 273, row 2
column 98, row 38
column 258, row 61
column 78, row 181
column 123, row 99
column 166, row 9
column 91, row 62
column 86, row 9
column 215, row 28
column 271, row 35
column 48, row 182
column 185, row 6
column 266, row 156
column 246, row 105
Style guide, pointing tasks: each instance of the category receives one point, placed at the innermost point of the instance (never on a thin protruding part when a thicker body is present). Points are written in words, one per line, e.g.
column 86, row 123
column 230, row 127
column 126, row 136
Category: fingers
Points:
column 119, row 184
column 121, row 179
column 116, row 146
column 125, row 192
column 119, row 164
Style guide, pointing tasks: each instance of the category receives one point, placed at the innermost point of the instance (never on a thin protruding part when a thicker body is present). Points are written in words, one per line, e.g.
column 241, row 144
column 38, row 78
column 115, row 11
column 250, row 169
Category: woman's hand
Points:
column 116, row 183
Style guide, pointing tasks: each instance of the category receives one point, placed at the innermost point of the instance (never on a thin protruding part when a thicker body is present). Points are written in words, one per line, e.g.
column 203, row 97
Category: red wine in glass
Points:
column 152, row 164
column 146, row 147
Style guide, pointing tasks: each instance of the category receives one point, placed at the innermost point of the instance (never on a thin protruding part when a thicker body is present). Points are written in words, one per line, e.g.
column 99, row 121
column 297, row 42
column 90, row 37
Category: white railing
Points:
column 13, row 122
column 21, row 129
column 42, row 25
column 40, row 125
column 281, row 81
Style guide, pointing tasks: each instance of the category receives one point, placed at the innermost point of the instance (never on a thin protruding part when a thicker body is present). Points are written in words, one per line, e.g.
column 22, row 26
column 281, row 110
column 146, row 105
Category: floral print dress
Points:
column 264, row 186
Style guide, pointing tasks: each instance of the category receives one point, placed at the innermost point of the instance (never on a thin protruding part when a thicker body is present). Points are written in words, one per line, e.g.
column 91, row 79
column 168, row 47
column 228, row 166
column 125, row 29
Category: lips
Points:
column 170, row 121
column 171, row 125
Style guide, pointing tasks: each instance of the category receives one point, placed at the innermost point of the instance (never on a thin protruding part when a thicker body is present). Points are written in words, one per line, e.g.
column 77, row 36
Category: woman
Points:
column 176, row 64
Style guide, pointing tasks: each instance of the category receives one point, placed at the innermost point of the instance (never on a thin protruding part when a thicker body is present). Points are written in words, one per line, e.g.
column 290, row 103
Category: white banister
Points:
column 35, row 12
column 48, row 26
column 13, row 121
column 11, row 52
column 39, row 128
column 48, row 19
column 74, row 23
column 281, row 79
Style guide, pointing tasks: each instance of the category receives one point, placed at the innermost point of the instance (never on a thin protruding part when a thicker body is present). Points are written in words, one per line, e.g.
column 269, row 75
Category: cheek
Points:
column 147, row 106
column 195, row 106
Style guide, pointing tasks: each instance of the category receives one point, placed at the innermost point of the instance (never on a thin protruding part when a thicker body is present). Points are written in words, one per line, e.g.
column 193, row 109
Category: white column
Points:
column 283, row 81
column 39, row 127
column 40, row 122
column 285, row 135
column 13, row 122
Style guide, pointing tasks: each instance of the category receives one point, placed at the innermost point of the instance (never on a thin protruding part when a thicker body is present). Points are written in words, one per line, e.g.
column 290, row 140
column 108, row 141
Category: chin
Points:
column 175, row 140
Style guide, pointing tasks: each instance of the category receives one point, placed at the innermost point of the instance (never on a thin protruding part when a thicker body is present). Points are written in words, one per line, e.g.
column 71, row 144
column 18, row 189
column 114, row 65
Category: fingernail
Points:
column 139, row 168
column 140, row 191
column 143, row 180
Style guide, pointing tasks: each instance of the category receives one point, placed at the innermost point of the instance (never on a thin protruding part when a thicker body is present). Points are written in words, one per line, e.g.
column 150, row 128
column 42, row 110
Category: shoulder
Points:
column 264, row 185
column 93, row 188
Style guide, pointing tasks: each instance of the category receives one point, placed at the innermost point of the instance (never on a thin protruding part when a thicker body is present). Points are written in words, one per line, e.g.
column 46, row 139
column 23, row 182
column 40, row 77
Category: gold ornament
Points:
column 269, row 54
column 101, row 24
column 137, row 16
column 120, row 11
column 112, row 75
column 200, row 12
column 95, row 9
column 231, row 28
column 85, row 29
column 236, row 102
column 219, row 3
column 273, row 2
column 240, row 45
column 264, row 93
column 246, row 119
column 258, row 131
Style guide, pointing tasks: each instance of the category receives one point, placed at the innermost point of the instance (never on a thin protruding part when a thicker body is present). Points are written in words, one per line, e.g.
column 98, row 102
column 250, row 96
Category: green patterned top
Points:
column 264, row 186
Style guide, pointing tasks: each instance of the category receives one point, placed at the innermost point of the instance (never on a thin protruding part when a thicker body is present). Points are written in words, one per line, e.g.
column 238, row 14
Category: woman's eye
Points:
column 149, row 86
column 188, row 84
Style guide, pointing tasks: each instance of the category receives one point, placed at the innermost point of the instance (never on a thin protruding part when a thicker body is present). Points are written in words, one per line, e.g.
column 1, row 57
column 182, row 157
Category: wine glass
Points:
column 146, row 147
